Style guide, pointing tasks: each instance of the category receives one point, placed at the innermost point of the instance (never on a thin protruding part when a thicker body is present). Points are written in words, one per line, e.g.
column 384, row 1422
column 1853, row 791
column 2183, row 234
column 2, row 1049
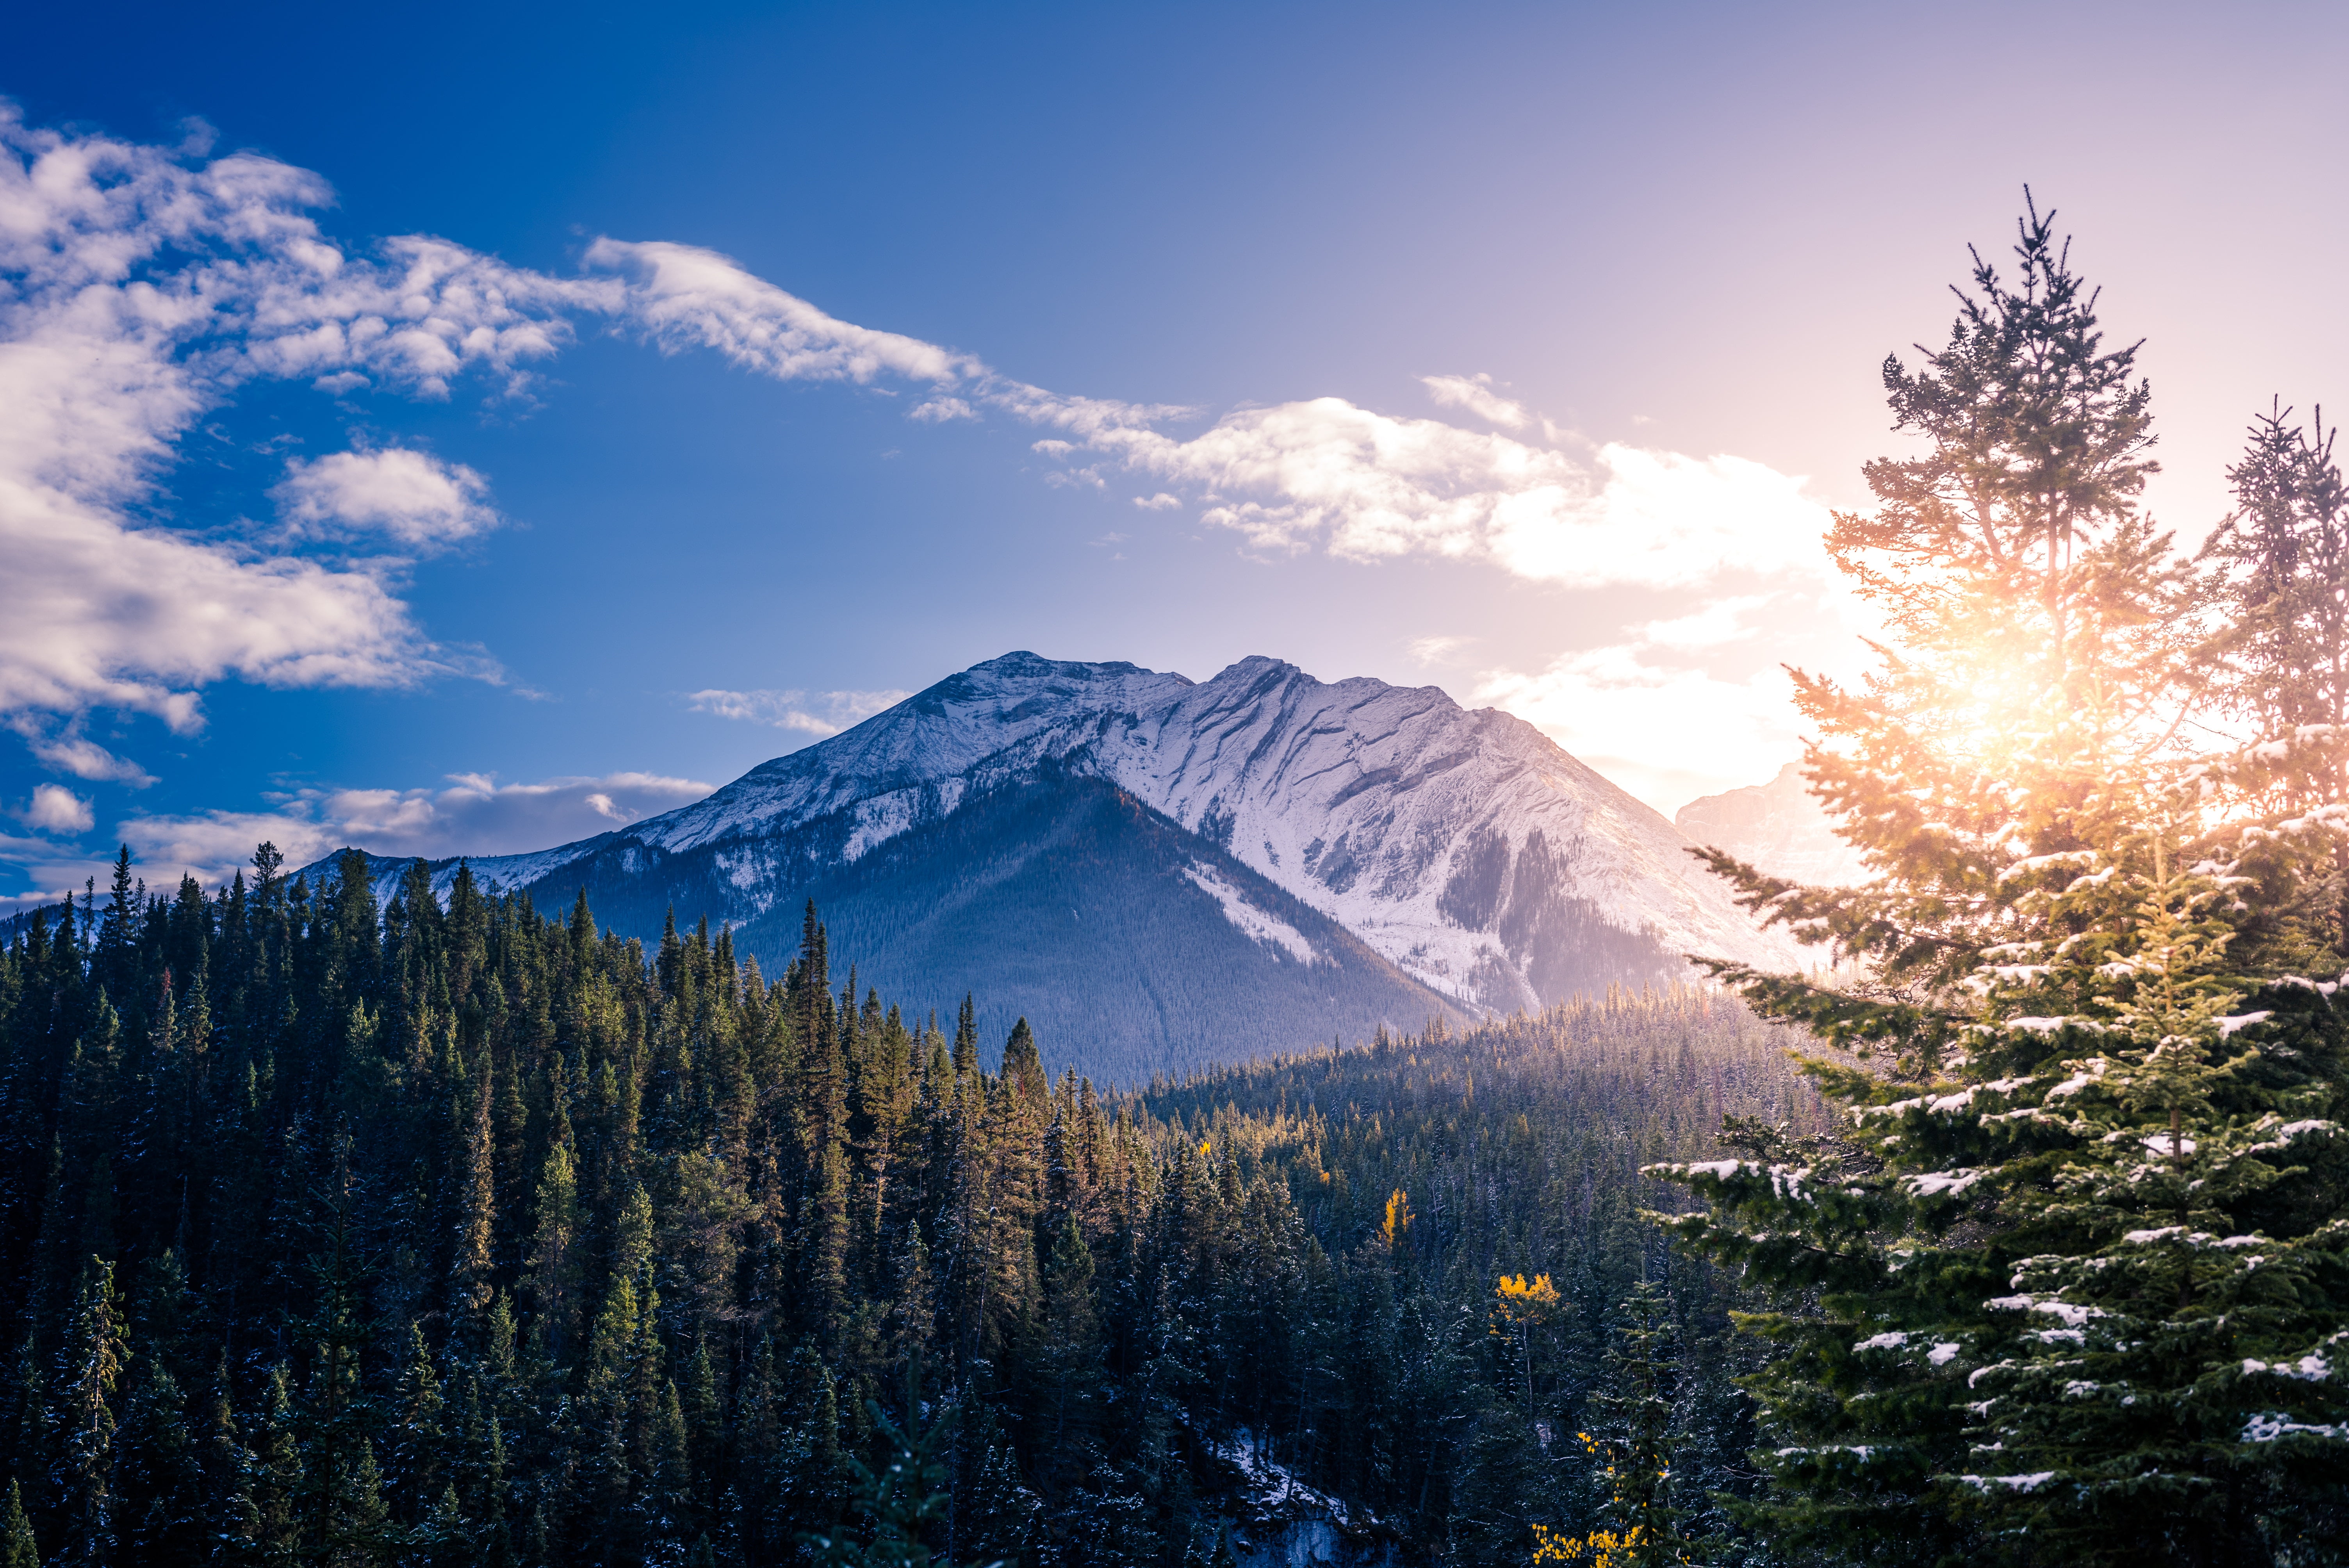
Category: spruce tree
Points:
column 17, row 1547
column 90, row 1368
column 2279, row 655
column 160, row 1508
column 2077, row 1266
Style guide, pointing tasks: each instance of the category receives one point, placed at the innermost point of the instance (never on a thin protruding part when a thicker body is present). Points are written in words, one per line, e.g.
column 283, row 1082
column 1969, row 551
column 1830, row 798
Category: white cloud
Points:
column 69, row 752
column 57, row 810
column 1674, row 710
column 416, row 497
column 686, row 297
column 817, row 714
column 1719, row 623
column 139, row 287
column 1475, row 394
column 473, row 815
column 1436, row 650
column 1367, row 486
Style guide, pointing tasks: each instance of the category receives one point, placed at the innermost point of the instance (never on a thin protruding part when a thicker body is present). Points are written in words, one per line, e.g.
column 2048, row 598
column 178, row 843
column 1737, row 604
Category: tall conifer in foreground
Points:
column 2074, row 1286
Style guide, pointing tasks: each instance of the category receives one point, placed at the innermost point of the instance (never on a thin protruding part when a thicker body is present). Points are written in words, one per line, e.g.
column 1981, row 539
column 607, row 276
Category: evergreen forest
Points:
column 430, row 1234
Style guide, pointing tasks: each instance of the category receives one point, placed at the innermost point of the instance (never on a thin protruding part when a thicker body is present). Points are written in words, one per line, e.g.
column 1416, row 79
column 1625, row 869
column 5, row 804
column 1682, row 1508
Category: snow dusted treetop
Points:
column 2080, row 1262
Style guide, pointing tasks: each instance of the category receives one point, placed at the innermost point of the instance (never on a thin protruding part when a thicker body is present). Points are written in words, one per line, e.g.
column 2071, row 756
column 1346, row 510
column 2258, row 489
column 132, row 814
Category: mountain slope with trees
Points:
column 465, row 1234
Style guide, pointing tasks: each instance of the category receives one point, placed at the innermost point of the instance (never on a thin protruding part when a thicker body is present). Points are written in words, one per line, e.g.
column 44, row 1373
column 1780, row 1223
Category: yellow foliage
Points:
column 1398, row 1219
column 1599, row 1549
column 1524, row 1302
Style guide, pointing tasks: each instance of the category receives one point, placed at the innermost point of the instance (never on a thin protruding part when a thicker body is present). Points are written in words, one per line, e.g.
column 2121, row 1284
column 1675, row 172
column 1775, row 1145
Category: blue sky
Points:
column 1515, row 349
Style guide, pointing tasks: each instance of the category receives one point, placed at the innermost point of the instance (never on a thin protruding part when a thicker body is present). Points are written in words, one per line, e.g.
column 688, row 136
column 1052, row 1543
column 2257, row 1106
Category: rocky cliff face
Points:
column 1777, row 826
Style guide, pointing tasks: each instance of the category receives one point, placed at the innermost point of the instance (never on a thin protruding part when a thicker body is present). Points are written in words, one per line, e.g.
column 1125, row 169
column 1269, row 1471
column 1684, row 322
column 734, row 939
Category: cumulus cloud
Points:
column 1367, row 486
column 816, row 714
column 57, row 810
column 139, row 287
column 473, row 814
column 1475, row 394
column 142, row 286
column 414, row 498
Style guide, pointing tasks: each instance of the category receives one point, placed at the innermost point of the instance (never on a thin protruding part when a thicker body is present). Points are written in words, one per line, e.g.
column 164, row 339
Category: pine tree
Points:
column 341, row 1510
column 17, row 1547
column 1065, row 1362
column 91, row 1367
column 274, row 1477
column 1113, row 1284
column 160, row 1506
column 1635, row 1410
column 2099, row 1089
column 2280, row 656
column 418, row 1438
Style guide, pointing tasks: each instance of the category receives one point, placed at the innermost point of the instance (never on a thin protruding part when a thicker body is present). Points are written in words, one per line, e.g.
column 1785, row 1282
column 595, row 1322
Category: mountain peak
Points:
column 1463, row 848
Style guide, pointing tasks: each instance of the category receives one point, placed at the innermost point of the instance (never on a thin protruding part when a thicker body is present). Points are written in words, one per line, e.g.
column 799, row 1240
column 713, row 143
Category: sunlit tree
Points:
column 2071, row 1286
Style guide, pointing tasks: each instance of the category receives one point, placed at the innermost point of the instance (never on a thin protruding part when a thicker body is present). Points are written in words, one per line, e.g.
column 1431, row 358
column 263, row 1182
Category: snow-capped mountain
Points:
column 1336, row 825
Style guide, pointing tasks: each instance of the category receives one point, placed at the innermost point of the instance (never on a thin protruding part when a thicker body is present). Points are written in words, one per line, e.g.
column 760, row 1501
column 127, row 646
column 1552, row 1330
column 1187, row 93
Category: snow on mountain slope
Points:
column 1464, row 846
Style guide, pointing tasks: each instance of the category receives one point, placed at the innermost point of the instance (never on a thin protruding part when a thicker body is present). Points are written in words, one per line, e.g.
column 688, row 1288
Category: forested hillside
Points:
column 433, row 1235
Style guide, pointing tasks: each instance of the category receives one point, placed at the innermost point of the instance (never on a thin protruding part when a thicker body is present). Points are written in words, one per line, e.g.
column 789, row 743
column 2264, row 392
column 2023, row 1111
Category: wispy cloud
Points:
column 1718, row 624
column 473, row 814
column 1475, row 394
column 63, row 748
column 818, row 714
column 1666, row 714
column 1436, row 650
column 469, row 814
column 144, row 285
column 684, row 297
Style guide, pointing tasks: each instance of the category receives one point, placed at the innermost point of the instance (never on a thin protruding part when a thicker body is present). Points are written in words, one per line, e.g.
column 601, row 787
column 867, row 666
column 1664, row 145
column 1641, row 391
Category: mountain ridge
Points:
column 1468, row 852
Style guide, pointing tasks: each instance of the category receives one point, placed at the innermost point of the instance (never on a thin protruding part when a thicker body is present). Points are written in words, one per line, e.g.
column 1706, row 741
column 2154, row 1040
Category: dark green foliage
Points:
column 17, row 1547
column 448, row 1233
column 1061, row 899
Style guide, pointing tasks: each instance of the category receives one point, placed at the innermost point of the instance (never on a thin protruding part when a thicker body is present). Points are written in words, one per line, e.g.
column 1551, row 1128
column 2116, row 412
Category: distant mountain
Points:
column 1253, row 861
column 1778, row 827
